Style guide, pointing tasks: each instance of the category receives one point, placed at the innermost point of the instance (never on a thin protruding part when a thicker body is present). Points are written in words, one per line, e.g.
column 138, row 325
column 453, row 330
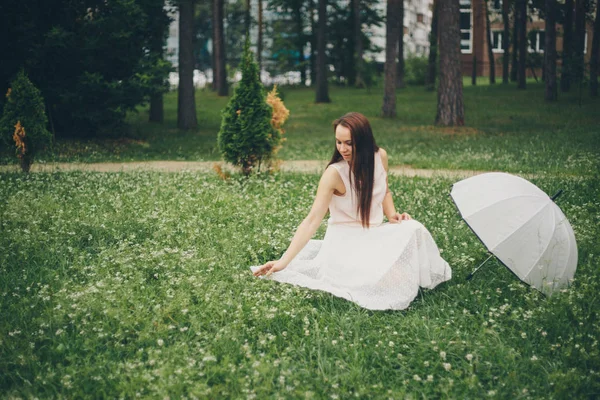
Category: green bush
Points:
column 246, row 138
column 24, row 119
column 415, row 70
column 92, row 60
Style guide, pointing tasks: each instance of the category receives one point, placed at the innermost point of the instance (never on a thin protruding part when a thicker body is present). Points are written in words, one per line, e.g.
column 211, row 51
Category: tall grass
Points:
column 137, row 284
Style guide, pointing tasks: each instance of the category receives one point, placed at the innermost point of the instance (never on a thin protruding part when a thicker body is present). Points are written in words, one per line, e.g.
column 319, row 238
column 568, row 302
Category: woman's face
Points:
column 343, row 142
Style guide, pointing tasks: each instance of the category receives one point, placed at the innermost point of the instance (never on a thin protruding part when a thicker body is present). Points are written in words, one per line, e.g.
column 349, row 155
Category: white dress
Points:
column 378, row 268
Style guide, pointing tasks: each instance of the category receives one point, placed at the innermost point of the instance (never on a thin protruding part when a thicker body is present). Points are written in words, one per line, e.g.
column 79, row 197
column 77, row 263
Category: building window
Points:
column 497, row 41
column 497, row 5
column 466, row 27
column 420, row 17
column 537, row 40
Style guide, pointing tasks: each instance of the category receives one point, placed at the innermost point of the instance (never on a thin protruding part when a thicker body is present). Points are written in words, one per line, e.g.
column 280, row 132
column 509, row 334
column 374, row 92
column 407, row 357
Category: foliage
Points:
column 234, row 32
column 203, row 25
column 288, row 39
column 246, row 137
column 280, row 112
column 90, row 58
column 162, row 303
column 415, row 70
column 24, row 120
column 340, row 36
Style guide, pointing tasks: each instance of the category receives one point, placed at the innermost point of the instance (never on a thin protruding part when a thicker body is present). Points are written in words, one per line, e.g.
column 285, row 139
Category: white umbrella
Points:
column 521, row 225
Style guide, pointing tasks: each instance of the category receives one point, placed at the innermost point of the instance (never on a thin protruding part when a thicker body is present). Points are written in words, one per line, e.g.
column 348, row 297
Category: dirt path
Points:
column 307, row 166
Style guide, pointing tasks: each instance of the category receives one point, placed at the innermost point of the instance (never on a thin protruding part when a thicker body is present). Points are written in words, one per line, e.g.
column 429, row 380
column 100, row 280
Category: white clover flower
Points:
column 429, row 378
column 469, row 357
column 447, row 366
column 534, row 358
column 443, row 355
column 160, row 342
column 417, row 378
column 523, row 335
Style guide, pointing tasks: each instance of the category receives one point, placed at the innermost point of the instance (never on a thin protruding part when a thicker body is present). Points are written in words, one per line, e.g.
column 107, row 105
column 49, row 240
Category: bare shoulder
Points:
column 384, row 158
column 330, row 178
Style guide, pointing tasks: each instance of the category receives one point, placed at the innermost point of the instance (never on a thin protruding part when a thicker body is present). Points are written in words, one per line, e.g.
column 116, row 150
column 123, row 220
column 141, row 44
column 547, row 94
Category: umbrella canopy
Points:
column 521, row 226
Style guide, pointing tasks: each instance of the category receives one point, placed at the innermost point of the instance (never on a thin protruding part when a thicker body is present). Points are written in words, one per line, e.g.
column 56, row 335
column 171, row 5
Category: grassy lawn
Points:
column 507, row 130
column 123, row 285
column 137, row 284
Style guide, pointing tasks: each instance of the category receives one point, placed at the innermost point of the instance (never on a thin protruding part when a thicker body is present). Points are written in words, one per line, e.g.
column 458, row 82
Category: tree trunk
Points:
column 219, row 46
column 433, row 49
column 450, row 107
column 474, row 70
column 322, row 95
column 247, row 17
column 595, row 55
column 213, row 6
column 488, row 34
column 156, row 99
column 186, row 102
column 349, row 71
column 400, row 83
column 514, row 70
column 392, row 28
column 522, row 12
column 300, row 41
column 505, row 42
column 259, row 45
column 550, row 52
column 567, row 54
column 579, row 41
column 156, row 108
column 358, row 46
column 313, row 43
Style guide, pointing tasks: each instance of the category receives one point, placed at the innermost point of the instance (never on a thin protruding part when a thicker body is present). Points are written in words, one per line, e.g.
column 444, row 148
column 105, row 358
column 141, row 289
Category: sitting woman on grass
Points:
column 376, row 265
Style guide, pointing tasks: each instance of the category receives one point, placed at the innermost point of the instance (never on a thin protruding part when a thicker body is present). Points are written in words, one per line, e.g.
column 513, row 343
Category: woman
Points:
column 376, row 265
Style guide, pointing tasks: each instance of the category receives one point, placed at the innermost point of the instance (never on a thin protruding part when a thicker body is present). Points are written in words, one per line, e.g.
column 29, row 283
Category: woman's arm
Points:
column 388, row 202
column 309, row 225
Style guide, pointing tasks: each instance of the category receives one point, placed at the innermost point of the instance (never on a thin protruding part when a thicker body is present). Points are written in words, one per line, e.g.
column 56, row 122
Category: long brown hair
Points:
column 362, row 164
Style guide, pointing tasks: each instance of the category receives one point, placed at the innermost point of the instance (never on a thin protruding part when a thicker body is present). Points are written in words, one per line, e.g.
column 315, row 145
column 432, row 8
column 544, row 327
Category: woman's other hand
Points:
column 269, row 268
column 397, row 218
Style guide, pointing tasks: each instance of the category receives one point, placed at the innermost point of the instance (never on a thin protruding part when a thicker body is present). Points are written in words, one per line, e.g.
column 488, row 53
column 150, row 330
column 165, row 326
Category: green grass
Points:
column 137, row 284
column 127, row 284
column 506, row 129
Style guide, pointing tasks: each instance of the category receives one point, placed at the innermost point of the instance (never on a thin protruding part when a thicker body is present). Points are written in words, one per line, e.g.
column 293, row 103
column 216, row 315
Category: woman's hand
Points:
column 269, row 268
column 397, row 218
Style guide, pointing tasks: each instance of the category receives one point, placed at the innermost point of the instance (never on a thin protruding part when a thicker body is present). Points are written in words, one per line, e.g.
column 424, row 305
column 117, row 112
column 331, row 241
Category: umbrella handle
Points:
column 556, row 195
column 477, row 269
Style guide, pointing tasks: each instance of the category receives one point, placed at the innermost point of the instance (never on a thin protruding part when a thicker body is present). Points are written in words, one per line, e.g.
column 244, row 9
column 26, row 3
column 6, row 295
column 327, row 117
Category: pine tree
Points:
column 24, row 120
column 247, row 138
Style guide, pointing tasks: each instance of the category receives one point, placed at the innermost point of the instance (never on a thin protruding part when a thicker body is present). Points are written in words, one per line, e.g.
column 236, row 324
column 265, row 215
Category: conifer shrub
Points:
column 24, row 120
column 247, row 138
